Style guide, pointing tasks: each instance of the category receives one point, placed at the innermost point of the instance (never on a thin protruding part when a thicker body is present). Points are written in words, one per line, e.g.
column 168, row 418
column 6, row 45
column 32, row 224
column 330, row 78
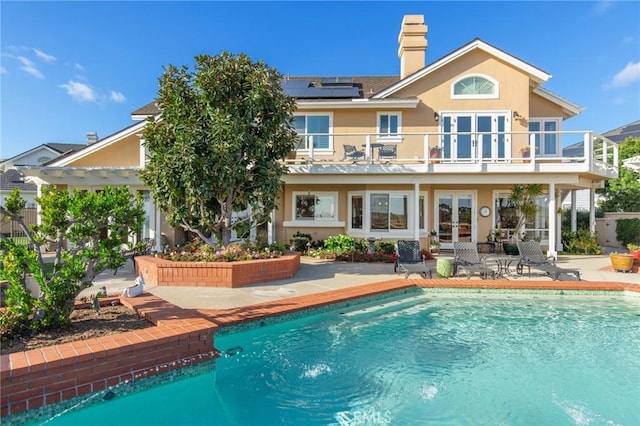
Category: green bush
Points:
column 339, row 243
column 580, row 242
column 628, row 231
column 386, row 247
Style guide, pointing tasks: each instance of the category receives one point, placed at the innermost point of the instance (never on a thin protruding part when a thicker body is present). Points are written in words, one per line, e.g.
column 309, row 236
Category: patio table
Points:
column 503, row 264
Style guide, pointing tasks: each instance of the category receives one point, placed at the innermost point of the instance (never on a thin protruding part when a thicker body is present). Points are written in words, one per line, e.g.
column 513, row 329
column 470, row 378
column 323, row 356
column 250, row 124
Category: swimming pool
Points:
column 425, row 359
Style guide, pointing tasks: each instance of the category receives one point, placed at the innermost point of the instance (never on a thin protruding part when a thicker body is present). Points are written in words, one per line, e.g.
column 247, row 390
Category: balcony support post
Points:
column 574, row 215
column 552, row 215
column 367, row 149
column 416, row 211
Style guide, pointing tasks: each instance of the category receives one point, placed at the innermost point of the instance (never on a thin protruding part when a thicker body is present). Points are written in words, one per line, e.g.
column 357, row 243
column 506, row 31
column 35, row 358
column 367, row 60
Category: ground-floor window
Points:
column 386, row 211
column 507, row 217
column 317, row 206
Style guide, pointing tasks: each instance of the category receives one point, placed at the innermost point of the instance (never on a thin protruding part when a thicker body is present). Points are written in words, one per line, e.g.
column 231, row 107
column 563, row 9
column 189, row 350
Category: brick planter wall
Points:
column 157, row 271
column 39, row 377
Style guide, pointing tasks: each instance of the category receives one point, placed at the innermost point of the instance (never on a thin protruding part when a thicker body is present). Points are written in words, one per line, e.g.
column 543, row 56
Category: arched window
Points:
column 475, row 87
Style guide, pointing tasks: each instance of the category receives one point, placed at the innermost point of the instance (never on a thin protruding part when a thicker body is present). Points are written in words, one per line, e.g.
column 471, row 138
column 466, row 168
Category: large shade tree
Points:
column 216, row 147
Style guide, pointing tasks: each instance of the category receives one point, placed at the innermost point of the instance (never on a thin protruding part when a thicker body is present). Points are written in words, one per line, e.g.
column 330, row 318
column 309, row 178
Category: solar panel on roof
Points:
column 328, row 93
column 295, row 88
column 296, row 83
column 336, row 81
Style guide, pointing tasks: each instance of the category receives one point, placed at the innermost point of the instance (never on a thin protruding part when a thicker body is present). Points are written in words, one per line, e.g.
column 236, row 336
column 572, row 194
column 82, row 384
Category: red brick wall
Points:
column 45, row 376
column 156, row 271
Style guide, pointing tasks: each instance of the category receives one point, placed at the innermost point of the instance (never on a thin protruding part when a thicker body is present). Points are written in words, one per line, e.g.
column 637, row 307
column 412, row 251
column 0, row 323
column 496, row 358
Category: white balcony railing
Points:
column 584, row 150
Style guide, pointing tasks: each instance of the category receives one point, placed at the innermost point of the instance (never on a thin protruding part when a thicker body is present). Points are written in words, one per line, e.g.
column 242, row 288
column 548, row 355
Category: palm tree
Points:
column 524, row 196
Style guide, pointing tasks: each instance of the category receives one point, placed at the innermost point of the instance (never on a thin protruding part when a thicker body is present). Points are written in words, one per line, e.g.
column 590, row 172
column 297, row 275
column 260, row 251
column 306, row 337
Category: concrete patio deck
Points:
column 317, row 276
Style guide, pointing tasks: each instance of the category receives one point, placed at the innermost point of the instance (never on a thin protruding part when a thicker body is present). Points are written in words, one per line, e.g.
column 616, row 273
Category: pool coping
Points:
column 41, row 377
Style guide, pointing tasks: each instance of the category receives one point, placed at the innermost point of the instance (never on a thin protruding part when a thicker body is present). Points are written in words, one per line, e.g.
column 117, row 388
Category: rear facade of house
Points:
column 437, row 147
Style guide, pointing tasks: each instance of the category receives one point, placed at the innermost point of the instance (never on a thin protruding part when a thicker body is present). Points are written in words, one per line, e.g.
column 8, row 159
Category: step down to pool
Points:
column 380, row 307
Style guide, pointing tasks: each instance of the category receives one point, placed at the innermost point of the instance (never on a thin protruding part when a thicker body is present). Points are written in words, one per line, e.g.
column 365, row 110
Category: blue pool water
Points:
column 424, row 360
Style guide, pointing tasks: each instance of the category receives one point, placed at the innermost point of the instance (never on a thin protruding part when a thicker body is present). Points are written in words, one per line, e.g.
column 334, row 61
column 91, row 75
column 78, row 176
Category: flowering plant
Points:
column 199, row 251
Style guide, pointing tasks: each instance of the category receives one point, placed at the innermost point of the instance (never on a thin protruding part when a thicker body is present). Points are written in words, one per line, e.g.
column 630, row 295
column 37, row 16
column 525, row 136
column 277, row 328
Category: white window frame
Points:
column 305, row 148
column 389, row 137
column 542, row 120
column 316, row 222
column 366, row 232
column 540, row 216
column 494, row 95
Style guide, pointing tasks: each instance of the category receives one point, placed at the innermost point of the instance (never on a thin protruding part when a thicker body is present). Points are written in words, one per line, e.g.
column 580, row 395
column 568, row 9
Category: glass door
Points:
column 455, row 217
column 467, row 136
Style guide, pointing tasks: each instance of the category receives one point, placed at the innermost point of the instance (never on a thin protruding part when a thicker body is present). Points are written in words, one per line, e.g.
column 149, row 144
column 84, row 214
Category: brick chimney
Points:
column 413, row 44
column 92, row 137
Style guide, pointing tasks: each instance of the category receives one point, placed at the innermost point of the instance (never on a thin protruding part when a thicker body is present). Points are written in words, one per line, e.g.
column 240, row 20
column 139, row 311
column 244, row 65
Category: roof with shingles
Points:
column 631, row 130
column 12, row 178
column 368, row 85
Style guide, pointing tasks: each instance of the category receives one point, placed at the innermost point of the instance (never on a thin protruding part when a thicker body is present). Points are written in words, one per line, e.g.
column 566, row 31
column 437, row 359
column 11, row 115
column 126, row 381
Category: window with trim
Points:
column 315, row 206
column 475, row 87
column 546, row 135
column 313, row 126
column 357, row 207
column 389, row 212
column 507, row 217
column 389, row 124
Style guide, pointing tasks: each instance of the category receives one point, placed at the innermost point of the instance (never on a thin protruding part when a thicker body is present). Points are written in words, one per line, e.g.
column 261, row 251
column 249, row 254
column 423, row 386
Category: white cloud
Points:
column 78, row 67
column 117, row 97
column 3, row 70
column 628, row 40
column 45, row 57
column 29, row 67
column 628, row 75
column 80, row 91
column 602, row 6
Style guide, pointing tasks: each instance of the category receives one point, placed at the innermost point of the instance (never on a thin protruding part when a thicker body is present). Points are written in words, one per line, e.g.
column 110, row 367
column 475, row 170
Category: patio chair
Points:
column 352, row 153
column 409, row 260
column 387, row 152
column 467, row 258
column 531, row 256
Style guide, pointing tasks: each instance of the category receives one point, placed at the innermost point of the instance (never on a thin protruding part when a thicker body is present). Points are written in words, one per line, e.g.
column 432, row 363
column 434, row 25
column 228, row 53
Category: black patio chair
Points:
column 531, row 256
column 467, row 258
column 352, row 153
column 409, row 260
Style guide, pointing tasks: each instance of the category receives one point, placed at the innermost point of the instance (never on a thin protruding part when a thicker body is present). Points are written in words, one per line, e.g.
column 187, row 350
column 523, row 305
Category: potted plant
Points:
column 634, row 250
column 435, row 153
column 621, row 262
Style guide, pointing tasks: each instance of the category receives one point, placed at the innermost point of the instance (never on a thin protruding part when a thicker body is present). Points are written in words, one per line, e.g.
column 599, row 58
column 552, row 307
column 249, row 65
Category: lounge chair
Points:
column 352, row 153
column 531, row 256
column 467, row 258
column 387, row 152
column 409, row 260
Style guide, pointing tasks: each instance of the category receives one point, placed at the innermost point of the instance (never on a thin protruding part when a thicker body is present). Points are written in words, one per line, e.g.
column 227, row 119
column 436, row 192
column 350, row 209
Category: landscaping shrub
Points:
column 628, row 231
column 580, row 242
column 299, row 241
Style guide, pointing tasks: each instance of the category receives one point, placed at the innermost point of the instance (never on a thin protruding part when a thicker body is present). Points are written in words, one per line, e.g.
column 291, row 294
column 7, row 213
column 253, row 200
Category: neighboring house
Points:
column 392, row 157
column 11, row 178
column 583, row 200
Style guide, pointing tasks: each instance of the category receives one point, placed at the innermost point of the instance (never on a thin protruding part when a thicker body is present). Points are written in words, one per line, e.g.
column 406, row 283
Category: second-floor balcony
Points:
column 582, row 152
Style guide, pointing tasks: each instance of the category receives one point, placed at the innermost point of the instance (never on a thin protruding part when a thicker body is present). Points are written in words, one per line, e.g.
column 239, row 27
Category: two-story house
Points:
column 393, row 157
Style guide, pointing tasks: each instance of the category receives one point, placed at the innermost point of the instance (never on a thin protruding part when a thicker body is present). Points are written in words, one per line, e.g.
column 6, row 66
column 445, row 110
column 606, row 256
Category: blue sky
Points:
column 68, row 68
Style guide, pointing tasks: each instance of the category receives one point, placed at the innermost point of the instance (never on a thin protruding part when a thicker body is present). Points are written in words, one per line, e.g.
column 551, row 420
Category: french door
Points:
column 468, row 136
column 455, row 217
